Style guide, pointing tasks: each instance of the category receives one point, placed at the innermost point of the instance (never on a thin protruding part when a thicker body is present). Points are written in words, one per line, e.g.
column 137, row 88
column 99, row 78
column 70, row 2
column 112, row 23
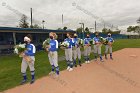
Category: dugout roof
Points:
column 31, row 30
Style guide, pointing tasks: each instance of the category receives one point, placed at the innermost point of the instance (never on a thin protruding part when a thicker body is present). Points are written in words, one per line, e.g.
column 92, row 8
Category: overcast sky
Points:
column 120, row 13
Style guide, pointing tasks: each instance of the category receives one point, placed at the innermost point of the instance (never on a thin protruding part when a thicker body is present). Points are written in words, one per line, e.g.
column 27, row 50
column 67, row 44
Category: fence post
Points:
column 14, row 38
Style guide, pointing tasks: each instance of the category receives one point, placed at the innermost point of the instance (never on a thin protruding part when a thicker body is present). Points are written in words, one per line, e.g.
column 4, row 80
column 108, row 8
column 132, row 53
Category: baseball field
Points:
column 120, row 75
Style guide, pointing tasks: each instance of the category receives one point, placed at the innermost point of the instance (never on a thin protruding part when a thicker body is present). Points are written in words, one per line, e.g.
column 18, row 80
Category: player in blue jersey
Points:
column 68, row 52
column 76, row 50
column 30, row 52
column 108, row 46
column 97, row 47
column 87, row 49
column 52, row 53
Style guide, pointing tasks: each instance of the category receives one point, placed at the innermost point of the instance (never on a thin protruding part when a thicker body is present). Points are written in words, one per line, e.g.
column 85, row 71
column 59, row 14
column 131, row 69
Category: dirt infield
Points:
column 122, row 75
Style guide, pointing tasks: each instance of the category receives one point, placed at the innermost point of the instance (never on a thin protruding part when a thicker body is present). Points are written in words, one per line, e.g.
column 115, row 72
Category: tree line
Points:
column 24, row 24
column 135, row 29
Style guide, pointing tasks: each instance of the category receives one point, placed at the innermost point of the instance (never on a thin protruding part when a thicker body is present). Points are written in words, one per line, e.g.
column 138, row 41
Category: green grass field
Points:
column 10, row 75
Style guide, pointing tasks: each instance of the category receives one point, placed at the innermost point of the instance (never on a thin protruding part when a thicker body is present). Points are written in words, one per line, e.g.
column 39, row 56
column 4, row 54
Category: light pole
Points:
column 43, row 23
column 83, row 28
column 62, row 27
column 95, row 26
column 31, row 18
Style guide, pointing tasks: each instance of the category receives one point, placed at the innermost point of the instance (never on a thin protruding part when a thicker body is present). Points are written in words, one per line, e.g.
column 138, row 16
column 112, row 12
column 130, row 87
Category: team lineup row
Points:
column 71, row 45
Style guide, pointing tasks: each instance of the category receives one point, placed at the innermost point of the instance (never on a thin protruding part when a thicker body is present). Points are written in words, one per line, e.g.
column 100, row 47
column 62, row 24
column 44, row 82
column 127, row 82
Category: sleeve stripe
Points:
column 56, row 43
column 73, row 40
column 34, row 49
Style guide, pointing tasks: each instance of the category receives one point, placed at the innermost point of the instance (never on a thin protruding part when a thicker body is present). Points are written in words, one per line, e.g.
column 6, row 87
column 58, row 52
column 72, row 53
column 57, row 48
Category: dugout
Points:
column 10, row 36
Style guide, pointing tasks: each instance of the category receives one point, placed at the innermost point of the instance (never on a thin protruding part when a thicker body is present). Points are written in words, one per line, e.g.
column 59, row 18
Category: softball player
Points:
column 52, row 54
column 87, row 48
column 30, row 52
column 76, row 50
column 108, row 46
column 68, row 52
column 97, row 47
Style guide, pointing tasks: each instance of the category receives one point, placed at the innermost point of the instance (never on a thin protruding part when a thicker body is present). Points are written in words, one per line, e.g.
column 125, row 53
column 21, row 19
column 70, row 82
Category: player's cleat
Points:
column 32, row 81
column 68, row 67
column 80, row 65
column 56, row 75
column 75, row 65
column 106, row 56
column 23, row 82
column 71, row 69
column 86, row 62
column 111, row 58
column 102, row 60
column 51, row 73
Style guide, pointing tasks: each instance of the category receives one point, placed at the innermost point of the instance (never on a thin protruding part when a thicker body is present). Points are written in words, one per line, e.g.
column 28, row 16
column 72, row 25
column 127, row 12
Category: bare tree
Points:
column 23, row 22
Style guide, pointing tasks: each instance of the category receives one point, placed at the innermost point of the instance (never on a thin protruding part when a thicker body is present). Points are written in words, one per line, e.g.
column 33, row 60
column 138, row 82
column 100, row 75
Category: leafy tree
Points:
column 130, row 28
column 36, row 26
column 79, row 30
column 59, row 29
column 23, row 22
column 138, row 27
column 135, row 29
column 65, row 28
column 87, row 30
column 116, row 32
column 110, row 31
column 105, row 30
column 31, row 26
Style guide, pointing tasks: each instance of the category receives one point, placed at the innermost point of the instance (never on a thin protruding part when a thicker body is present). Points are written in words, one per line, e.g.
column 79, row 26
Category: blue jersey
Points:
column 70, row 41
column 87, row 41
column 110, row 39
column 75, row 41
column 53, row 45
column 96, row 39
column 30, row 50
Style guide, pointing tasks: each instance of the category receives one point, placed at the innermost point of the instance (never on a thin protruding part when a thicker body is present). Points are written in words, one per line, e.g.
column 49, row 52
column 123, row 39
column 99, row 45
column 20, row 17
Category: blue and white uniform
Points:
column 53, row 45
column 110, row 39
column 68, row 52
column 70, row 41
column 30, row 52
column 87, row 41
column 76, row 51
column 97, row 48
column 96, row 40
column 87, row 49
column 53, row 55
column 108, row 47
